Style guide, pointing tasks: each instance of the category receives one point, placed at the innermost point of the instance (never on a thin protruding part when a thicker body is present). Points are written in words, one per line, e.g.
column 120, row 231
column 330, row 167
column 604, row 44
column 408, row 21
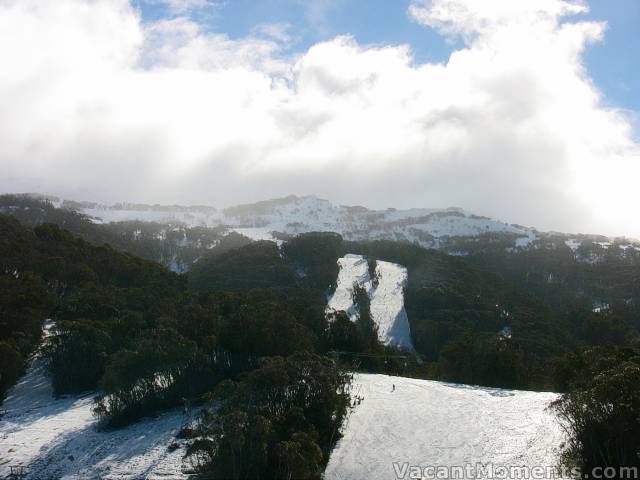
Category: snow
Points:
column 399, row 420
column 573, row 244
column 506, row 332
column 427, row 423
column 257, row 233
column 59, row 439
column 275, row 219
column 421, row 422
column 354, row 270
column 295, row 215
column 600, row 307
column 526, row 241
column 386, row 295
column 191, row 217
column 387, row 306
column 464, row 226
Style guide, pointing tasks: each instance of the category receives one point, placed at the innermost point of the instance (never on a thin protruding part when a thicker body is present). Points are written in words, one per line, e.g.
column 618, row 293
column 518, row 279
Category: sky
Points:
column 523, row 110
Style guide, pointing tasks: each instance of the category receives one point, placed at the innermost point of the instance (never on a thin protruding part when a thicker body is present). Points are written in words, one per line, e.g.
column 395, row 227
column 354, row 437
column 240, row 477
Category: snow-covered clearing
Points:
column 58, row 438
column 573, row 244
column 526, row 241
column 386, row 295
column 426, row 423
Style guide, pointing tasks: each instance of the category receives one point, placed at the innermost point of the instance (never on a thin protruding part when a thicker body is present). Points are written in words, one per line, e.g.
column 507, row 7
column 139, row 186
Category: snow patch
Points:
column 600, row 307
column 573, row 244
column 524, row 242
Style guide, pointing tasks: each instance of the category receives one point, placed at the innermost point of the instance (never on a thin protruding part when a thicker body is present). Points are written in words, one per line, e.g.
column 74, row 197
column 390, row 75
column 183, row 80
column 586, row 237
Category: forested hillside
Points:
column 139, row 334
column 250, row 319
column 496, row 317
column 174, row 245
column 469, row 322
column 47, row 272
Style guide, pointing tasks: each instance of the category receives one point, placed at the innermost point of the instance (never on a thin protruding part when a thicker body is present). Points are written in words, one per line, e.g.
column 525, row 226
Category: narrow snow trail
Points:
column 426, row 423
column 387, row 297
column 354, row 270
column 387, row 306
column 58, row 439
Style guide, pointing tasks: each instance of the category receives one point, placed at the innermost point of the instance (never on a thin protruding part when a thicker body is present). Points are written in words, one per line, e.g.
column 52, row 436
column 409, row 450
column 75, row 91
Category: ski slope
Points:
column 354, row 270
column 419, row 422
column 426, row 423
column 386, row 295
column 58, row 438
column 387, row 306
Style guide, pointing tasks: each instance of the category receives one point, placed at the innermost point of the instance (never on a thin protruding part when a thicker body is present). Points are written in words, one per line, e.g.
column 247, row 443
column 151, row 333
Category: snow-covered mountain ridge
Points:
column 293, row 215
column 451, row 230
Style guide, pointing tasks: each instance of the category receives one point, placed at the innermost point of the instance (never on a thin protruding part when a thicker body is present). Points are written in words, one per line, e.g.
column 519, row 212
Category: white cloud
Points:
column 184, row 6
column 98, row 105
column 276, row 31
column 487, row 17
column 179, row 44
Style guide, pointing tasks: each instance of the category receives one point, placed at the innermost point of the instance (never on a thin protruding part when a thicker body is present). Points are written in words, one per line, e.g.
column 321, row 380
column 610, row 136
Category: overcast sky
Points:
column 523, row 110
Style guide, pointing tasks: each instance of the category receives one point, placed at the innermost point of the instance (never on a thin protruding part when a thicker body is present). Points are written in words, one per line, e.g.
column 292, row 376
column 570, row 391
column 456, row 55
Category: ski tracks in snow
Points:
column 386, row 295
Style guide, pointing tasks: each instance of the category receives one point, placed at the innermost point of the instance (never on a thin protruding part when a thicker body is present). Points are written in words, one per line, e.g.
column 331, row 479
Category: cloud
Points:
column 97, row 104
column 279, row 32
column 489, row 16
column 180, row 44
column 318, row 12
column 184, row 6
